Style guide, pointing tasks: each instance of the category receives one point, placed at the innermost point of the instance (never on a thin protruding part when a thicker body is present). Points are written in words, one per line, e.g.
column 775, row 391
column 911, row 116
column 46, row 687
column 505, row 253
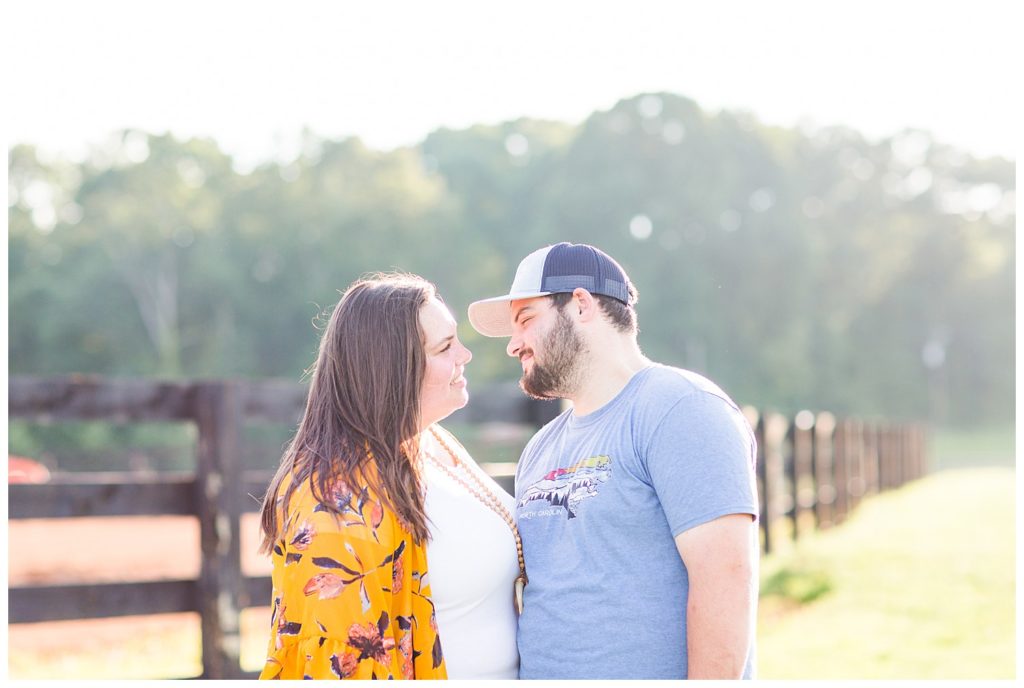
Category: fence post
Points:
column 855, row 463
column 884, row 457
column 901, row 452
column 756, row 420
column 871, row 458
column 824, row 476
column 804, row 492
column 840, row 469
column 773, row 439
column 219, row 485
column 907, row 465
column 789, row 471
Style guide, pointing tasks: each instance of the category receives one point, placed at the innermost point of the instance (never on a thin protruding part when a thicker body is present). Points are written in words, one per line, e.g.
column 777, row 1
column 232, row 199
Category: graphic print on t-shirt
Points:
column 567, row 487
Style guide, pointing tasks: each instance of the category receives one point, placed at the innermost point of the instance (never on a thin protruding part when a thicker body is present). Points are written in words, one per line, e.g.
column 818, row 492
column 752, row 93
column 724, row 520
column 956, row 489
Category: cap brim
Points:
column 493, row 317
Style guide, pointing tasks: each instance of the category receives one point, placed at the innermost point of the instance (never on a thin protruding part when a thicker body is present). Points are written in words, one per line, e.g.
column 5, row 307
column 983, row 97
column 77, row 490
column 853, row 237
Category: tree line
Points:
column 798, row 268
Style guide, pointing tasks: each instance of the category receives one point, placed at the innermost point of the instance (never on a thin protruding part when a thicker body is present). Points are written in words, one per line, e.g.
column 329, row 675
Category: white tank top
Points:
column 473, row 566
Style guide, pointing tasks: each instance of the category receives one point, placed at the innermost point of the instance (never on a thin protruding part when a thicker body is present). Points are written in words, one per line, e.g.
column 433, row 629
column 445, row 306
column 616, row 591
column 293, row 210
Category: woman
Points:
column 371, row 490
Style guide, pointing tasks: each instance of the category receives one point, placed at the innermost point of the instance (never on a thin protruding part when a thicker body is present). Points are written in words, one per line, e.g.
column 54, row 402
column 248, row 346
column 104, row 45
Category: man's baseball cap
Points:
column 551, row 270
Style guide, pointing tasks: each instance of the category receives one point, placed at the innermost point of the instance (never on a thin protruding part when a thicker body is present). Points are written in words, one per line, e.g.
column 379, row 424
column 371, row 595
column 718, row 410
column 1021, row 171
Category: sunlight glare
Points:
column 191, row 173
column 762, row 199
column 641, row 227
column 650, row 106
column 933, row 355
column 911, row 148
column 517, row 145
column 673, row 132
column 804, row 420
column 135, row 147
column 917, row 182
column 38, row 193
column 730, row 220
column 984, row 197
column 44, row 218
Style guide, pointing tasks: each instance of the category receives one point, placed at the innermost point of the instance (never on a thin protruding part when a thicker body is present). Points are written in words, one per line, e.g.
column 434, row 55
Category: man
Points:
column 636, row 506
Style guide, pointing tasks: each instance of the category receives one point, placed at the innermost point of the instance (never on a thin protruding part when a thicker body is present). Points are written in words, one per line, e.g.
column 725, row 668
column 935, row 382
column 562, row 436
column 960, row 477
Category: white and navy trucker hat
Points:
column 551, row 270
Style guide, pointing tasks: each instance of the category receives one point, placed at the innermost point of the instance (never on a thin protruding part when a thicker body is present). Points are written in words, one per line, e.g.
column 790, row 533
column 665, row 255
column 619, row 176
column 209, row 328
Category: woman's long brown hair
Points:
column 364, row 399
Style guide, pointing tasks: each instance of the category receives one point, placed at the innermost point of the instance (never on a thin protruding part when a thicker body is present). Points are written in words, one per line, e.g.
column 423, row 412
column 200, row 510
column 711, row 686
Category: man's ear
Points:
column 585, row 305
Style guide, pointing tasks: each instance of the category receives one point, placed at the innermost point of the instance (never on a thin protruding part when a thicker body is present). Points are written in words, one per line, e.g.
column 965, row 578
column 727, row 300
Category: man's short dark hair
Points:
column 620, row 315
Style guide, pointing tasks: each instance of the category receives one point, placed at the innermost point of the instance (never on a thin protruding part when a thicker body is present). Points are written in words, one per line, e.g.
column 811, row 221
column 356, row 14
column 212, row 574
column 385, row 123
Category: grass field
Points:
column 918, row 583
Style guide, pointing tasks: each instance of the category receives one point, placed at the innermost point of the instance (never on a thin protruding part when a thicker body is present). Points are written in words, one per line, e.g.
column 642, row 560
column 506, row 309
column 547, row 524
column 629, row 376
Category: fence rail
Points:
column 811, row 471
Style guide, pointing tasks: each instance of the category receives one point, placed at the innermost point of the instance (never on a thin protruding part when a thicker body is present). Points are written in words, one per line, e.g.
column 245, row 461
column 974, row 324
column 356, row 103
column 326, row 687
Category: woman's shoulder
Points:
column 348, row 505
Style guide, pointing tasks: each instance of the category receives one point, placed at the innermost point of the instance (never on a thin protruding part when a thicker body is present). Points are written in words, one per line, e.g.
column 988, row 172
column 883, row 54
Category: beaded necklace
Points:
column 490, row 500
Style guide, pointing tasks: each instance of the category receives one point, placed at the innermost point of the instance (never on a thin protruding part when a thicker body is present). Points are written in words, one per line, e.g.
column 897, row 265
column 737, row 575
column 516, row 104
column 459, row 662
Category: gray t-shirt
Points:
column 599, row 499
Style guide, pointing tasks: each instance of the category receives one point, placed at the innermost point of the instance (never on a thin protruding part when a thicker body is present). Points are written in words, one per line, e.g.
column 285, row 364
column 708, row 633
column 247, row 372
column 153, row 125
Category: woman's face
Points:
column 444, row 383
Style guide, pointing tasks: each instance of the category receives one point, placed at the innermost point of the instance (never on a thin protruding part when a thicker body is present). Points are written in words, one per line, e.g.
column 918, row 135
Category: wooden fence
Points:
column 215, row 493
column 814, row 467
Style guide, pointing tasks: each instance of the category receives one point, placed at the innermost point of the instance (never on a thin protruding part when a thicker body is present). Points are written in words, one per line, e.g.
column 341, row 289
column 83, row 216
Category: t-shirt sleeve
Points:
column 700, row 459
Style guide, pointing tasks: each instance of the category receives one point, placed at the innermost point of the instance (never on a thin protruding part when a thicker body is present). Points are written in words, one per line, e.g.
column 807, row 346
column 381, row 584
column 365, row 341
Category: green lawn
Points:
column 918, row 584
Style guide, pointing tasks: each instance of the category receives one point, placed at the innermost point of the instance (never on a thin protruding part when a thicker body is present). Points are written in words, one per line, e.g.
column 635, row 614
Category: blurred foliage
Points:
column 797, row 584
column 796, row 268
column 98, row 446
column 73, row 446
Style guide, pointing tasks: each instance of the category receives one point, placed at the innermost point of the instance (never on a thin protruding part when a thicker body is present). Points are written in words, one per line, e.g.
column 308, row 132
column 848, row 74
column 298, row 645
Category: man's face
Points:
column 546, row 342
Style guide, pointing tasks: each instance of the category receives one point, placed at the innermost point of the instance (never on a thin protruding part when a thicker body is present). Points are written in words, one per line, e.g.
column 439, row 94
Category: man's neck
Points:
column 607, row 371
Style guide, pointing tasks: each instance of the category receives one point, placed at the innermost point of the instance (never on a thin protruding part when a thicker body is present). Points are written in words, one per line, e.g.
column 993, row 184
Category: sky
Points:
column 253, row 74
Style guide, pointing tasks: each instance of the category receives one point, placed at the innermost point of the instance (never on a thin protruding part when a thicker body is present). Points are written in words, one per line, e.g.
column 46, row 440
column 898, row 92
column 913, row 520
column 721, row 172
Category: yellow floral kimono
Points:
column 351, row 597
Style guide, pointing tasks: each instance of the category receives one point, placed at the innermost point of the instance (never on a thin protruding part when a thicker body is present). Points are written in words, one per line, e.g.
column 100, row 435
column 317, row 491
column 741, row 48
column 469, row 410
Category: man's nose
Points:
column 514, row 344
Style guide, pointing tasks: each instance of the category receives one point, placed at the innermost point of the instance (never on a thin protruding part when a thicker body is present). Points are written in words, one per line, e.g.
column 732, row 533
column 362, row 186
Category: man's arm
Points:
column 723, row 594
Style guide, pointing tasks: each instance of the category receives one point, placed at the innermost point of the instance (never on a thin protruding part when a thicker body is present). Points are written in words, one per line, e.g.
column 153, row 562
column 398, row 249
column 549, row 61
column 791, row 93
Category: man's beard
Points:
column 558, row 376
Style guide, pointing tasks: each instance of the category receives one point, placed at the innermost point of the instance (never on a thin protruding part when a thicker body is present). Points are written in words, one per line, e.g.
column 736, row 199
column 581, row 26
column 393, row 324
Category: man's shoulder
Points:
column 685, row 403
column 678, row 383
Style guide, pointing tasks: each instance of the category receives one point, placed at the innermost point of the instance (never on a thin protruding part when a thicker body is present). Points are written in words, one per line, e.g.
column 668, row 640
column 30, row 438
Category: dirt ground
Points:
column 43, row 551
column 48, row 552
